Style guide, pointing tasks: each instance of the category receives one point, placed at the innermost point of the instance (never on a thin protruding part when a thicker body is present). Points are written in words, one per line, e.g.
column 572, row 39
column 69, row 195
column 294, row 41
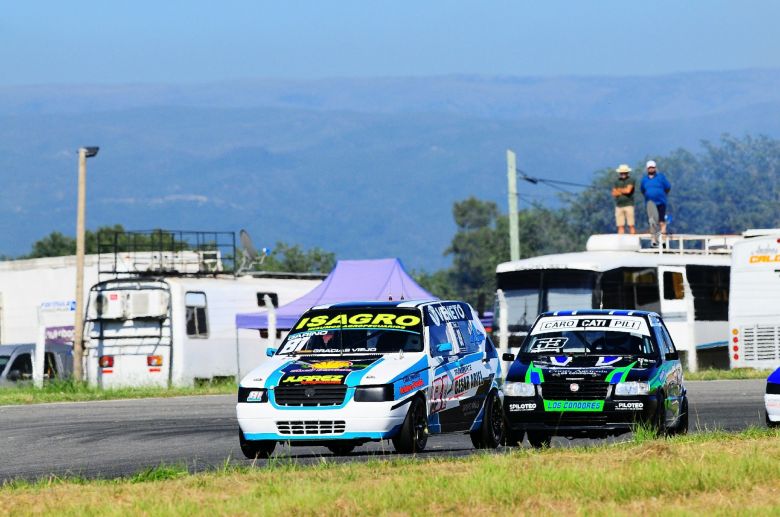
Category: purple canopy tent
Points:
column 350, row 280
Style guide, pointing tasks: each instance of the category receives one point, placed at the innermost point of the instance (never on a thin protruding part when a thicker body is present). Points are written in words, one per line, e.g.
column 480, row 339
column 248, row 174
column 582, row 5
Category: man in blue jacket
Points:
column 654, row 187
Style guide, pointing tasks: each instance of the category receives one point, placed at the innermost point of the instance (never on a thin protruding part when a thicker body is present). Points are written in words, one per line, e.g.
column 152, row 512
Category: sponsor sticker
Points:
column 403, row 390
column 528, row 406
column 255, row 396
column 314, row 379
column 631, row 324
column 629, row 406
column 363, row 320
column 574, row 405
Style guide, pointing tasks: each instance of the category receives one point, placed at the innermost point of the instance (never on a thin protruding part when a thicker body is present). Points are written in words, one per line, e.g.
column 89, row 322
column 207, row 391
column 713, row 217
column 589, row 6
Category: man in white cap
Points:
column 654, row 187
column 623, row 192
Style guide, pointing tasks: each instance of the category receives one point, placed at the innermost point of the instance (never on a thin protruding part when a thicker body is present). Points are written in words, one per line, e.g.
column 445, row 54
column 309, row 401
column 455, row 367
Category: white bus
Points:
column 686, row 281
column 754, row 311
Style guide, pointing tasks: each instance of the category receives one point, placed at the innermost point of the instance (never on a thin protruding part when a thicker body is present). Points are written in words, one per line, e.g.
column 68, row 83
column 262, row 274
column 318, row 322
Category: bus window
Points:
column 568, row 290
column 630, row 288
column 710, row 288
column 521, row 289
column 673, row 286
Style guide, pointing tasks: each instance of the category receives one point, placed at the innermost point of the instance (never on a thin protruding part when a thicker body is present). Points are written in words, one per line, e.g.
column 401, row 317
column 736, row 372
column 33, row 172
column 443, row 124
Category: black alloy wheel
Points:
column 413, row 435
column 492, row 432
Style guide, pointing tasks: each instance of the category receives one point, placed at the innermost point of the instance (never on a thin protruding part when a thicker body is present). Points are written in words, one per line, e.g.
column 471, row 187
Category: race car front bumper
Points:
column 356, row 421
column 579, row 418
column 772, row 403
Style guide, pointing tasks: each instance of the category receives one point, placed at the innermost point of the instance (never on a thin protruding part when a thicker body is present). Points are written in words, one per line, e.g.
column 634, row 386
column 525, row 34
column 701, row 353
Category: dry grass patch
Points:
column 715, row 473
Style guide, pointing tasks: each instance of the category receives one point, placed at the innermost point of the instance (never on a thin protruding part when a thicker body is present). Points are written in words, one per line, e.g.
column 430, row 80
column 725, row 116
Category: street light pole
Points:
column 78, row 326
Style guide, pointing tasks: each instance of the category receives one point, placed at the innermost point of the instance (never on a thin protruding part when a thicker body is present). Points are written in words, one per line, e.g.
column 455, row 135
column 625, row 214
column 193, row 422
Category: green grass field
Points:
column 735, row 374
column 711, row 473
column 67, row 391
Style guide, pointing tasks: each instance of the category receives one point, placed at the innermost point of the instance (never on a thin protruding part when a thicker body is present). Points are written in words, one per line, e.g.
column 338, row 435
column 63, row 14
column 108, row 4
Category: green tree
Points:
column 294, row 259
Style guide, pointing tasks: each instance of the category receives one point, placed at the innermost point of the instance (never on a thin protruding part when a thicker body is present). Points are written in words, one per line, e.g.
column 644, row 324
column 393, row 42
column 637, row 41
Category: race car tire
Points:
column 659, row 419
column 491, row 433
column 539, row 439
column 514, row 438
column 255, row 449
column 682, row 419
column 770, row 424
column 341, row 449
column 413, row 435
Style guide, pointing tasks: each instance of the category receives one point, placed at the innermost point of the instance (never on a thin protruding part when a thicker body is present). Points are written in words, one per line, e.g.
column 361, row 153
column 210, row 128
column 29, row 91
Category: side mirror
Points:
column 270, row 351
column 672, row 356
column 444, row 348
column 508, row 356
column 14, row 375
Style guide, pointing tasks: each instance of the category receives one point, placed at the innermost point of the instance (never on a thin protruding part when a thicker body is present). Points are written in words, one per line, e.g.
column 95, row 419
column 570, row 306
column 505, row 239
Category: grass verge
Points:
column 69, row 391
column 709, row 473
column 721, row 375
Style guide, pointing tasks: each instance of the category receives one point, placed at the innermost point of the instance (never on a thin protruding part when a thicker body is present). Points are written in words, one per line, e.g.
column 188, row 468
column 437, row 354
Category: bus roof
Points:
column 607, row 252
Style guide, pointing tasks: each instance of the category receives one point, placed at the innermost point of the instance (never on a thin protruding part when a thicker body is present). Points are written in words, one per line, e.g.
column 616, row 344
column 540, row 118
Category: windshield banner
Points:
column 359, row 319
column 631, row 324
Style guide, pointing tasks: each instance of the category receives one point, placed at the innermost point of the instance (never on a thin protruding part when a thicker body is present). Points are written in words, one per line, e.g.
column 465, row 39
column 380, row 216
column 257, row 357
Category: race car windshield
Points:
column 590, row 342
column 339, row 332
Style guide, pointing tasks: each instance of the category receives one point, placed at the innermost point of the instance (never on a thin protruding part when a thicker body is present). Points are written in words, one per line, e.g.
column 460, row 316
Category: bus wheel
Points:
column 255, row 449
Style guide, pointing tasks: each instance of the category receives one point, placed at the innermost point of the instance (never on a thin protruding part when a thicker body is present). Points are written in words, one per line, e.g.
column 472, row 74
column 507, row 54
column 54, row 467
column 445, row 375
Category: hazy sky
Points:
column 199, row 41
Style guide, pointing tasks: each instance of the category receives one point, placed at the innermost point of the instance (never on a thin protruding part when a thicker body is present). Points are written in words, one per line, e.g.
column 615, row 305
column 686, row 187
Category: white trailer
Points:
column 176, row 330
column 754, row 307
column 27, row 285
column 686, row 281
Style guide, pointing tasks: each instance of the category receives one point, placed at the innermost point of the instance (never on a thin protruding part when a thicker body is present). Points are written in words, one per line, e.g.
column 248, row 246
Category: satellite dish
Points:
column 249, row 254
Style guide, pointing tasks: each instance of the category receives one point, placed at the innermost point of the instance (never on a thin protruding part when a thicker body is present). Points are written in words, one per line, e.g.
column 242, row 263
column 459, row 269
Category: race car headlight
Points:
column 252, row 394
column 631, row 388
column 381, row 393
column 519, row 389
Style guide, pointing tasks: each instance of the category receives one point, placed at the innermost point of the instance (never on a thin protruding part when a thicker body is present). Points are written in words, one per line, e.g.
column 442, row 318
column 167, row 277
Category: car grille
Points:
column 305, row 427
column 317, row 395
column 562, row 390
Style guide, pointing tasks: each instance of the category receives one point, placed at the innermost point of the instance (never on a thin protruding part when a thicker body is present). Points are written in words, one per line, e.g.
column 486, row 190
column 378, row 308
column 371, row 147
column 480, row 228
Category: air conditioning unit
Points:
column 108, row 305
column 152, row 303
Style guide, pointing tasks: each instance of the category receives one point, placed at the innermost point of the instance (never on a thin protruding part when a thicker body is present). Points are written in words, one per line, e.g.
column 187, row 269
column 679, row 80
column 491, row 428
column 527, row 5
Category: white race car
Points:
column 772, row 399
column 351, row 373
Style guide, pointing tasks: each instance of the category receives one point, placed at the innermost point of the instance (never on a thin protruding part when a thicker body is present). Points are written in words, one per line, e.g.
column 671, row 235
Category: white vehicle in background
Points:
column 686, row 281
column 754, row 309
column 170, row 320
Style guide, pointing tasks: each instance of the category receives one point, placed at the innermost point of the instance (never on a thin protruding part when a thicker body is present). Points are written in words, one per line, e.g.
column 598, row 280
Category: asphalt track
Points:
column 118, row 438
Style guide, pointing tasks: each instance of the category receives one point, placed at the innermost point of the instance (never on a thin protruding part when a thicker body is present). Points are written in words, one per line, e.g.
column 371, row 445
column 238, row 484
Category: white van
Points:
column 754, row 307
column 175, row 330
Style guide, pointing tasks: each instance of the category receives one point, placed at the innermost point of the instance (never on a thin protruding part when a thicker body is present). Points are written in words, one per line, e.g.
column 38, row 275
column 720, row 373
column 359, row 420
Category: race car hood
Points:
column 349, row 370
column 597, row 368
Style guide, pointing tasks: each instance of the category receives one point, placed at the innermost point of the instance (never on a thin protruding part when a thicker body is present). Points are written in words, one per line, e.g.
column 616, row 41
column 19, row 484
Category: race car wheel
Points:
column 413, row 435
column 682, row 419
column 659, row 420
column 255, row 449
column 539, row 439
column 341, row 449
column 514, row 438
column 491, row 433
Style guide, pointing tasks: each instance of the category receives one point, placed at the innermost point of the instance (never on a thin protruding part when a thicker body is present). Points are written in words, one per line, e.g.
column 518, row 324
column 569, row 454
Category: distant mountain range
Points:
column 363, row 167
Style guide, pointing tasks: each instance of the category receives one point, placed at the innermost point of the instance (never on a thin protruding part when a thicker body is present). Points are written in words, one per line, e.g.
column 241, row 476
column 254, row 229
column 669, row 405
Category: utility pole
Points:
column 514, row 230
column 78, row 325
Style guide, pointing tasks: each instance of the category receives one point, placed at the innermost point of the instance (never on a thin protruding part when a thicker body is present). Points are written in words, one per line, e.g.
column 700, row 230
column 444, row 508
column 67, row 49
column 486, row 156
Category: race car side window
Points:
column 668, row 339
column 470, row 338
column 441, row 334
